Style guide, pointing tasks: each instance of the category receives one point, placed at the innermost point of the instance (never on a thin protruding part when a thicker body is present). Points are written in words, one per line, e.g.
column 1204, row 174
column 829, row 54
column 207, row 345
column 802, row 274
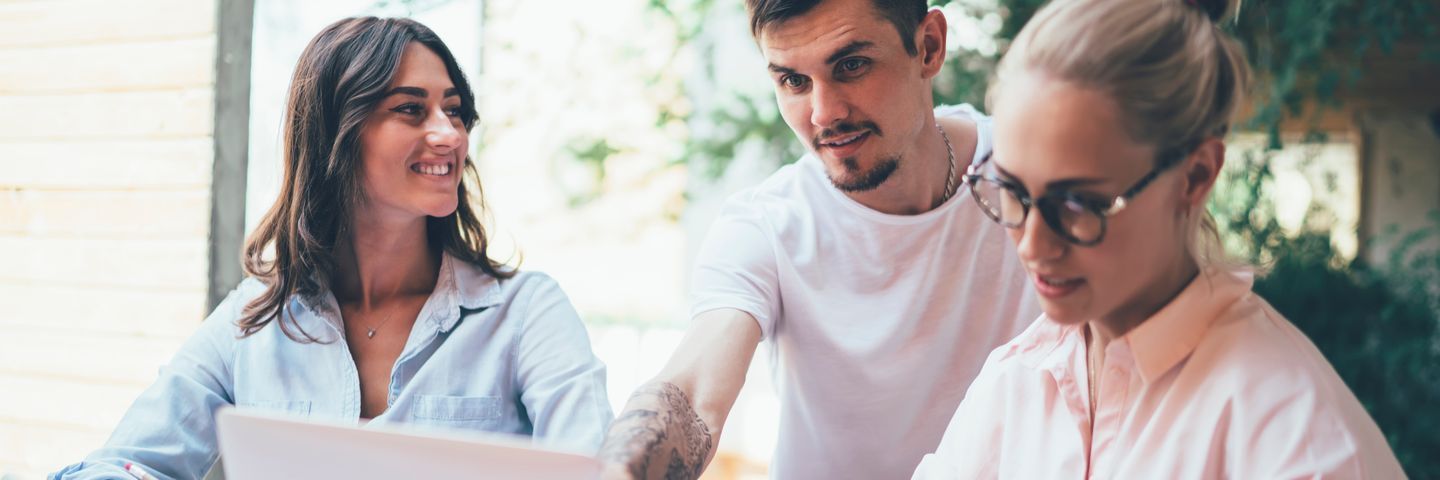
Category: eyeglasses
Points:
column 1076, row 217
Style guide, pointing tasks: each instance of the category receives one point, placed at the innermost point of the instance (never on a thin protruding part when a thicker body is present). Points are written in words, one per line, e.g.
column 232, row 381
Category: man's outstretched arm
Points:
column 671, row 425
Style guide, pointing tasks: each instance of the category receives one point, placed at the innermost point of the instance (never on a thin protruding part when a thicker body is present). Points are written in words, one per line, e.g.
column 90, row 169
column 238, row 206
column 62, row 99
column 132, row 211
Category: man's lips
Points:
column 844, row 145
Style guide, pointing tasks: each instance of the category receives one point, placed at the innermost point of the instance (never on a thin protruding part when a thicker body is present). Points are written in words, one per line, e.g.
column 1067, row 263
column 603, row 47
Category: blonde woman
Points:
column 1153, row 359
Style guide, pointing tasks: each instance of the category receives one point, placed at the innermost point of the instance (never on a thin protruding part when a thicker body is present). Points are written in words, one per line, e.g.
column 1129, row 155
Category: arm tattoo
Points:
column 658, row 422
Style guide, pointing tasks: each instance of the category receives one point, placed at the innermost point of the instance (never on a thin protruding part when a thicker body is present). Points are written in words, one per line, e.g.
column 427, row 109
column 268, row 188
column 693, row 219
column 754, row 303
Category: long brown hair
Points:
column 340, row 78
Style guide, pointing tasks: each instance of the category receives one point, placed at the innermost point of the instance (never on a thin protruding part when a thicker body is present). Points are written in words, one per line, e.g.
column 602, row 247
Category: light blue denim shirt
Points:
column 507, row 356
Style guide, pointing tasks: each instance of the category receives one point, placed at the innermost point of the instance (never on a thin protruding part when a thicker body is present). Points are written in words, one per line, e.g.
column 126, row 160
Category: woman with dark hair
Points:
column 372, row 297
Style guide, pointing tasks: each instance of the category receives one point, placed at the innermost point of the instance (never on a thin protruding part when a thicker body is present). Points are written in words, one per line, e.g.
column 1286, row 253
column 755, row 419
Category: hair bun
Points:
column 1214, row 9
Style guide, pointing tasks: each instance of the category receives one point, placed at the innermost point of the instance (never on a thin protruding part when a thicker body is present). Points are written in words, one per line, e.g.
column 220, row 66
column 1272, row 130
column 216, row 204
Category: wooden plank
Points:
column 177, row 163
column 165, row 64
column 87, row 357
column 102, row 310
column 107, row 116
column 70, row 22
column 154, row 263
column 173, row 214
column 61, row 403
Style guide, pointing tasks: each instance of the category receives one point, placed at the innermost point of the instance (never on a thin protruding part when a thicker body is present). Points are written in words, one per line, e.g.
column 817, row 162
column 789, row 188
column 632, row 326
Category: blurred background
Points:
column 139, row 145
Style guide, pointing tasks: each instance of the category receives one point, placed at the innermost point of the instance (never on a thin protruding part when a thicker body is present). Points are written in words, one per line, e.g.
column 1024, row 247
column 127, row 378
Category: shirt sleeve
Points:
column 562, row 382
column 736, row 265
column 170, row 429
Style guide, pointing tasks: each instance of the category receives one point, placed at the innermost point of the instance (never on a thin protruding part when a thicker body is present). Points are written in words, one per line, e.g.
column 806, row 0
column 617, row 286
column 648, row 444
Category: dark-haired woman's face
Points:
column 413, row 145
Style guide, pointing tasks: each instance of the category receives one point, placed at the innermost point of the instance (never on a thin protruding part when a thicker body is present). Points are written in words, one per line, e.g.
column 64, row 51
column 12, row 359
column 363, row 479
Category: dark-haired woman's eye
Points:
column 408, row 109
column 453, row 111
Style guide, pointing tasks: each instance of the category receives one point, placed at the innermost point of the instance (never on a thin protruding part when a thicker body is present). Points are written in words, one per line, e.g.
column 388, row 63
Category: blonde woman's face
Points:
column 1052, row 137
column 414, row 143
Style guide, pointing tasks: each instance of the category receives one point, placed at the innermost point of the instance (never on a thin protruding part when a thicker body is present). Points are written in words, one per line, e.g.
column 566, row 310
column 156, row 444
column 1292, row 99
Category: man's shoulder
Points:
column 791, row 189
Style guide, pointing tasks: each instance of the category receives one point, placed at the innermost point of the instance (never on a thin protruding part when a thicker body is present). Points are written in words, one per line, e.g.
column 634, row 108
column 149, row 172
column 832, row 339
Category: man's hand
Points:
column 658, row 435
column 671, row 426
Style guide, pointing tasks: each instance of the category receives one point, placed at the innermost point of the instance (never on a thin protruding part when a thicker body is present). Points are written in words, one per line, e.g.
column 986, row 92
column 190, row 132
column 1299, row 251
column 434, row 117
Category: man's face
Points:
column 849, row 89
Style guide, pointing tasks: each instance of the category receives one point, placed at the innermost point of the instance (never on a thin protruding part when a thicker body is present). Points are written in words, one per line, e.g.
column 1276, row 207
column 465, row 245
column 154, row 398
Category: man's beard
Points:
column 853, row 179
column 856, row 180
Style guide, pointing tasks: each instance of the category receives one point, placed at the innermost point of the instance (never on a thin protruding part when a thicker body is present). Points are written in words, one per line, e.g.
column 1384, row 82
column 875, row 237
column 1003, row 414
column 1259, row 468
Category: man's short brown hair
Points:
column 904, row 14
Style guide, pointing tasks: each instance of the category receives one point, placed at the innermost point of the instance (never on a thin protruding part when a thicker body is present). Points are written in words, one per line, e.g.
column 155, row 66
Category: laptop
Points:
column 270, row 446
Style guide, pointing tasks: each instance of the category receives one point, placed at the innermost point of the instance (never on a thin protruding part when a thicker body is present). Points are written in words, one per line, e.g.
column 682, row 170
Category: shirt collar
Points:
column 1158, row 344
column 1170, row 335
column 460, row 286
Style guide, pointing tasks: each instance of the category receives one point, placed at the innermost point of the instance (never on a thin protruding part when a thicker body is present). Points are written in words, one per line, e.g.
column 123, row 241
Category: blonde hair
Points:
column 1175, row 76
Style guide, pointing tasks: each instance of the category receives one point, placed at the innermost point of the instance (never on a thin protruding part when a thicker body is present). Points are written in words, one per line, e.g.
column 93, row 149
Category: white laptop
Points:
column 264, row 446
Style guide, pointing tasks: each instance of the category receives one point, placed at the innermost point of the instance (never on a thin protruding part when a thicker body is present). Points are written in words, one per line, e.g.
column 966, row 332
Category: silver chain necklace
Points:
column 950, row 176
column 370, row 331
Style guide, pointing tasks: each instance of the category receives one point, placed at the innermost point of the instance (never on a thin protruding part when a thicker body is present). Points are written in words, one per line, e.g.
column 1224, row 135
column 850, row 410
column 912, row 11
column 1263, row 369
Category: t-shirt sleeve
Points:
column 736, row 265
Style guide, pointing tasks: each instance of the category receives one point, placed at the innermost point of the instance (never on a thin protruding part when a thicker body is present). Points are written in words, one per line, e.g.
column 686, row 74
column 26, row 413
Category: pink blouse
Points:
column 1216, row 384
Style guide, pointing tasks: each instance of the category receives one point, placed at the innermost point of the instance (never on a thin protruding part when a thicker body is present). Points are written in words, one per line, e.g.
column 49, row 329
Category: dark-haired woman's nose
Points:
column 443, row 133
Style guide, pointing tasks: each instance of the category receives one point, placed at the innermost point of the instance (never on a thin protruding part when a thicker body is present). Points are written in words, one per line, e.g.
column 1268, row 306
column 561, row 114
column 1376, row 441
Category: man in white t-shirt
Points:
column 881, row 287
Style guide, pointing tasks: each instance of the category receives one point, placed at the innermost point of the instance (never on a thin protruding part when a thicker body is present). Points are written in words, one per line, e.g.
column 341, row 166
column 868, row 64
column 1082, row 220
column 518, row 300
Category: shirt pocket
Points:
column 458, row 412
column 297, row 408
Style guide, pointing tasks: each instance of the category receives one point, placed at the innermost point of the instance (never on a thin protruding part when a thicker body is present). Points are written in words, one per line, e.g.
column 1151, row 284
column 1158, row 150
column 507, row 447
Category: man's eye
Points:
column 793, row 81
column 852, row 68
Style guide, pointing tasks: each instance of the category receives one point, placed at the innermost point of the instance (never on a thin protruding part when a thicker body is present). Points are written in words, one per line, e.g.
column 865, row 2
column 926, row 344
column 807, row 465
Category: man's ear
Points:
column 930, row 39
column 1201, row 171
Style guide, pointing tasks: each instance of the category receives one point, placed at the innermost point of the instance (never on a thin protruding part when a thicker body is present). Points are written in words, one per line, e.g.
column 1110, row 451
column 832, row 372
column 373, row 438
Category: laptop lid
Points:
column 267, row 446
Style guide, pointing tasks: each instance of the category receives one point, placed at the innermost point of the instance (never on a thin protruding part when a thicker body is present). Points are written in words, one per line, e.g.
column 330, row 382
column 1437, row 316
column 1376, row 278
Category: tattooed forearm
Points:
column 659, row 427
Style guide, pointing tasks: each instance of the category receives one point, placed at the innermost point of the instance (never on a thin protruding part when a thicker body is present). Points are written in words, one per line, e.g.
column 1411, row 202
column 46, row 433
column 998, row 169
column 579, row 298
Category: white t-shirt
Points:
column 879, row 321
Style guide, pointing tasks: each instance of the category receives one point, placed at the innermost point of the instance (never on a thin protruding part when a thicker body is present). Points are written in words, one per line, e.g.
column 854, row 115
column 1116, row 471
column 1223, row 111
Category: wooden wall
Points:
column 106, row 153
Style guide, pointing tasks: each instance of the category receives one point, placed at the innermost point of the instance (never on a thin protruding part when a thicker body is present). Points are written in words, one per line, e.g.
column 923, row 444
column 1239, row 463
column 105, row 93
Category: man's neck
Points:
column 918, row 185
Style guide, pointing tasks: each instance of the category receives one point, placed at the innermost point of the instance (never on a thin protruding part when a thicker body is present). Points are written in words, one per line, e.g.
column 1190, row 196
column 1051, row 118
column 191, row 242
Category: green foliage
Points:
column 1312, row 49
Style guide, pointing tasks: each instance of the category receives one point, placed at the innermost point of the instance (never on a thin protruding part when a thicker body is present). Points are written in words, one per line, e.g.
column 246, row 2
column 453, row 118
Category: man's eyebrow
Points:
column 845, row 51
column 848, row 50
column 779, row 69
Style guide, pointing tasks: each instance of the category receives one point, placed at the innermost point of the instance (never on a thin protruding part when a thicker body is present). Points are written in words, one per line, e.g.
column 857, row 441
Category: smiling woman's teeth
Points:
column 437, row 170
